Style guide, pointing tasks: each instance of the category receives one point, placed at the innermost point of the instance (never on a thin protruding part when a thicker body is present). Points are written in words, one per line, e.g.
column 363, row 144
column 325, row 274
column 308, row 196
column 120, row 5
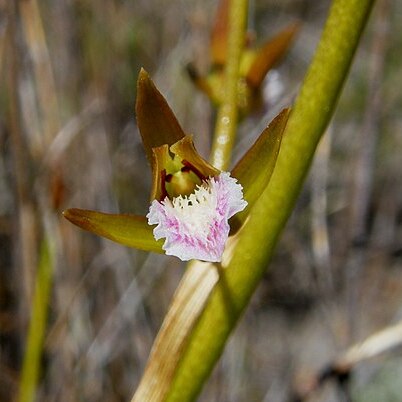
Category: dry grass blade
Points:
column 44, row 80
column 3, row 38
column 365, row 164
column 319, row 225
column 184, row 311
column 376, row 344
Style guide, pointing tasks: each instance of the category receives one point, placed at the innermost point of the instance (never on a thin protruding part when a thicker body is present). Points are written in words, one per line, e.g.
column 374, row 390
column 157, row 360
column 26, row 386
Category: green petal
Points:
column 156, row 121
column 163, row 162
column 269, row 54
column 129, row 230
column 255, row 168
column 186, row 151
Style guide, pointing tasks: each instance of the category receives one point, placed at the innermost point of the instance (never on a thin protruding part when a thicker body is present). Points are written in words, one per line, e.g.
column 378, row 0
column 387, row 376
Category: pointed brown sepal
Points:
column 156, row 121
column 129, row 230
column 270, row 54
column 255, row 168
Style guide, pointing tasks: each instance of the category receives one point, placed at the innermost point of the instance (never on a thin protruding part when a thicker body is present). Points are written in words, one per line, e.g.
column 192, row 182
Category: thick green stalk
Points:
column 36, row 333
column 256, row 240
column 226, row 124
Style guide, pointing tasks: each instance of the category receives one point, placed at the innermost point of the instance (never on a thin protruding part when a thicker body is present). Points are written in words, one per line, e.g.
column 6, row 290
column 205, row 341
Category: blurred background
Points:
column 68, row 138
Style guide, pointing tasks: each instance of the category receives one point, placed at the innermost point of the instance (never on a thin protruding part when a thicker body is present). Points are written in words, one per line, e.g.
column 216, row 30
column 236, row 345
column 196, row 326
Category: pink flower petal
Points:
column 196, row 226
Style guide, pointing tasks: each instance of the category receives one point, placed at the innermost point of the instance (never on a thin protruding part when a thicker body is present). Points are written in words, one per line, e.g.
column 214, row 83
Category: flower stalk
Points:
column 226, row 123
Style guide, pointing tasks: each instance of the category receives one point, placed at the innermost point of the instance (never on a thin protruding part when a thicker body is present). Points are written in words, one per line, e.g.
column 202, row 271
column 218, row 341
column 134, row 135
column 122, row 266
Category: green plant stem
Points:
column 34, row 346
column 227, row 118
column 309, row 118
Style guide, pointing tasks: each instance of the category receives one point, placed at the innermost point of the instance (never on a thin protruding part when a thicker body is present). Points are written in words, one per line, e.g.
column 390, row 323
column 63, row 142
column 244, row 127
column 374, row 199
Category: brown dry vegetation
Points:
column 68, row 138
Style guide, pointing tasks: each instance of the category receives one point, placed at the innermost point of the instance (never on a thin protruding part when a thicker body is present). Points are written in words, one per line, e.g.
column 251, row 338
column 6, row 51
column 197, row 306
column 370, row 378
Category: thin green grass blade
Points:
column 37, row 326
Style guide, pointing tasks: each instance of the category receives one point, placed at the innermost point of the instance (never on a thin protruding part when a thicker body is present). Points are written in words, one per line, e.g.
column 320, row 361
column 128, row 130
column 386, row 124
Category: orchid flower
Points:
column 255, row 63
column 192, row 203
column 194, row 206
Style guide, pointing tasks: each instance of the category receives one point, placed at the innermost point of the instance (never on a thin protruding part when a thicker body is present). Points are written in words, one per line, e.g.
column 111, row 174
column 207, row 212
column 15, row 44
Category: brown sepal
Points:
column 156, row 121
column 270, row 54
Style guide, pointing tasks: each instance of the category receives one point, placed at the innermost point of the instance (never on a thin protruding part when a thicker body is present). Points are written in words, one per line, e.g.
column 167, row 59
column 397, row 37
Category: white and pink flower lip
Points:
column 196, row 226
